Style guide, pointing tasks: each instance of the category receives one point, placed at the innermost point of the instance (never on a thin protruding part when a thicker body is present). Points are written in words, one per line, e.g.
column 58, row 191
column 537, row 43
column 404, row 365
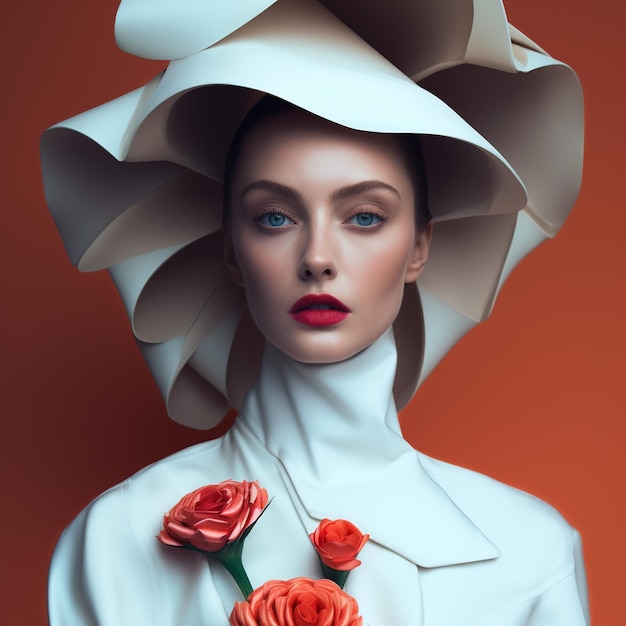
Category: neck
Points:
column 330, row 423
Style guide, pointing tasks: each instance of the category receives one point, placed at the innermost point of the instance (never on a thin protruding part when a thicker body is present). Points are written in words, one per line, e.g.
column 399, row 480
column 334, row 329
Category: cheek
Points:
column 262, row 271
column 253, row 264
column 382, row 274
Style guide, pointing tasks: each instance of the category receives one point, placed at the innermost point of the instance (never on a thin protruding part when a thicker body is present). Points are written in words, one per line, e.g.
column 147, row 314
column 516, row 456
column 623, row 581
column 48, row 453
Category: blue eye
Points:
column 275, row 220
column 365, row 219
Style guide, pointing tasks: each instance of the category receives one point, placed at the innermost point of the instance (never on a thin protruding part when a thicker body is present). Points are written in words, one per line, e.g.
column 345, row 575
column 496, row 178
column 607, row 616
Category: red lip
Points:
column 306, row 310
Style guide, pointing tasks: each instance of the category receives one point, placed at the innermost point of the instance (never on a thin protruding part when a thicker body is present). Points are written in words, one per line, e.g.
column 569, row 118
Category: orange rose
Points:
column 337, row 543
column 297, row 602
column 212, row 516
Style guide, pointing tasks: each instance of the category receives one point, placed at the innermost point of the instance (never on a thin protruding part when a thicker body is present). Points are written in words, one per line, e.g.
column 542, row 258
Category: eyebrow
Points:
column 273, row 187
column 363, row 187
column 340, row 194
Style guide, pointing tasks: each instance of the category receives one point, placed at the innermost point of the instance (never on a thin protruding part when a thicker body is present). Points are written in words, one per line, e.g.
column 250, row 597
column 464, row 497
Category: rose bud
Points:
column 337, row 543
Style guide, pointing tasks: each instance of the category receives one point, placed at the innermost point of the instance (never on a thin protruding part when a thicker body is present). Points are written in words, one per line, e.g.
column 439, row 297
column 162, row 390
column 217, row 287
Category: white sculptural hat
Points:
column 135, row 184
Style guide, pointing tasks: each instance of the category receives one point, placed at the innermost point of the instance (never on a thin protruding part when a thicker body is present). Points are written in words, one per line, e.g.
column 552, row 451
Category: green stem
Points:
column 235, row 568
column 230, row 556
column 337, row 576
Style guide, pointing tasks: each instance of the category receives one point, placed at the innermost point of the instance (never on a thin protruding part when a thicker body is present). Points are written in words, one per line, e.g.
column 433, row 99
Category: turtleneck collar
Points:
column 332, row 424
column 335, row 431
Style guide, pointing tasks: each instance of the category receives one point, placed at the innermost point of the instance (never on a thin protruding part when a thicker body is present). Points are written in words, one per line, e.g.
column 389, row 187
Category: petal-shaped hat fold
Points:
column 424, row 37
column 538, row 126
column 87, row 189
column 108, row 124
column 165, row 290
column 175, row 294
column 132, row 275
column 170, row 29
column 150, row 223
column 464, row 250
column 135, row 184
column 444, row 324
column 191, row 398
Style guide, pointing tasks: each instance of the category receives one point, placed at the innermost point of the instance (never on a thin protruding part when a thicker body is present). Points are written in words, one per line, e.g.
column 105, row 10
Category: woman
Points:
column 327, row 230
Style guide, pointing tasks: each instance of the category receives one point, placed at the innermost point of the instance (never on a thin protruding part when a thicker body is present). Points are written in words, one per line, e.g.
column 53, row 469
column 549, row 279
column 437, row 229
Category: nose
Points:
column 318, row 261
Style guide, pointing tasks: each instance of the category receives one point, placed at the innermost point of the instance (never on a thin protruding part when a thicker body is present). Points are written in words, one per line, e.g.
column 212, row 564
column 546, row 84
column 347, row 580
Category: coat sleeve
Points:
column 565, row 602
column 99, row 574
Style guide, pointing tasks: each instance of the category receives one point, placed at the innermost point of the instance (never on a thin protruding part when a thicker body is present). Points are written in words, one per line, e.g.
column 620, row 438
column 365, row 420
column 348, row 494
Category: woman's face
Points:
column 322, row 235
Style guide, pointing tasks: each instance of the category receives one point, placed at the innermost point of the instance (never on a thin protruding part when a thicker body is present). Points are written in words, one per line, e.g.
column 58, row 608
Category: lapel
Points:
column 403, row 509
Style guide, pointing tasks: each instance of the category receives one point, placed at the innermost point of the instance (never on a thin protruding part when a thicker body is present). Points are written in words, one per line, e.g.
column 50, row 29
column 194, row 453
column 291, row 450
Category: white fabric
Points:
column 448, row 547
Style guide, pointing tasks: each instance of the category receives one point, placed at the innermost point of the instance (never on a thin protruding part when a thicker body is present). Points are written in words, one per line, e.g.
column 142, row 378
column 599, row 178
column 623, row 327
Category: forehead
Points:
column 287, row 138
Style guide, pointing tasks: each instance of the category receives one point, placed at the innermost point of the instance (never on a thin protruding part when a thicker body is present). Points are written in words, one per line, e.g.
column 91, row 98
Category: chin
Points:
column 322, row 352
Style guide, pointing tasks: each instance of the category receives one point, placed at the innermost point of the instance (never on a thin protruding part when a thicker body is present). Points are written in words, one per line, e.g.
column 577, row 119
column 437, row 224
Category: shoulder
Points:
column 154, row 489
column 154, row 486
column 532, row 536
column 108, row 567
column 538, row 576
column 134, row 508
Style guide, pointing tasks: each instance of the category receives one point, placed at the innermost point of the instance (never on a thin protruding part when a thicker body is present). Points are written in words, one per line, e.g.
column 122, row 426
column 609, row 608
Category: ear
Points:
column 230, row 258
column 420, row 254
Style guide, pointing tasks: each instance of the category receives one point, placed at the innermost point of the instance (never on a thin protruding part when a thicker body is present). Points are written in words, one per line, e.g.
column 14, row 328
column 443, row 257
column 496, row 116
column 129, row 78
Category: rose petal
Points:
column 168, row 540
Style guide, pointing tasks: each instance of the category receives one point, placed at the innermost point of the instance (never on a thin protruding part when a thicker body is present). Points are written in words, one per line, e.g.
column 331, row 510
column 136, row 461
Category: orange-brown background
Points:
column 534, row 397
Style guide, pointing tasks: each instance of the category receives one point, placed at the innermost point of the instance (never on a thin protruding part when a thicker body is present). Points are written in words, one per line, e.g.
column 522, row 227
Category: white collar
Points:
column 335, row 431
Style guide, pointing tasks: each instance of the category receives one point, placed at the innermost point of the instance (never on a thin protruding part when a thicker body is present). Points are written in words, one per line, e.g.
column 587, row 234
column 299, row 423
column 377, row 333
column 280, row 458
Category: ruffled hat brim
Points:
column 135, row 185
